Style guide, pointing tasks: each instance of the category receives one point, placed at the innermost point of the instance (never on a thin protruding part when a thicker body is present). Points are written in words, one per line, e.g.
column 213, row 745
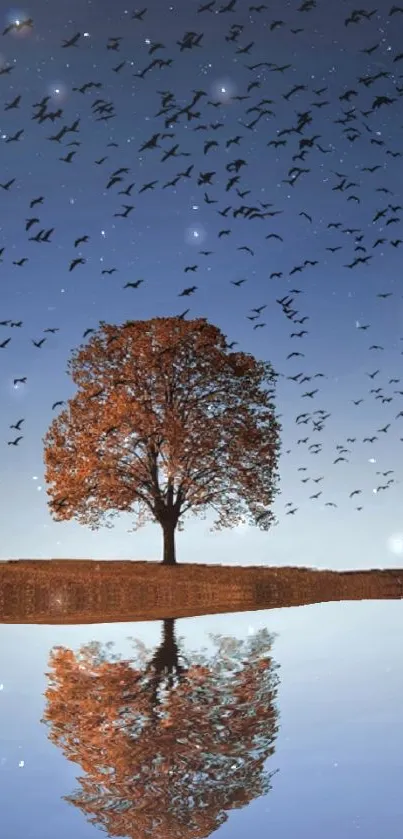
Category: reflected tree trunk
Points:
column 165, row 664
column 165, row 658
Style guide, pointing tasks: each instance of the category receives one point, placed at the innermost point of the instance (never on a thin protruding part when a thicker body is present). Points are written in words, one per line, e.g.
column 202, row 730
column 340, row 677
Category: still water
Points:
column 286, row 722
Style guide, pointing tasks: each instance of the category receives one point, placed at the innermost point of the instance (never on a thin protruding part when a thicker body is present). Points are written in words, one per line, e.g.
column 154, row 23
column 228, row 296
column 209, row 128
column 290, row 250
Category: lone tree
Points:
column 166, row 419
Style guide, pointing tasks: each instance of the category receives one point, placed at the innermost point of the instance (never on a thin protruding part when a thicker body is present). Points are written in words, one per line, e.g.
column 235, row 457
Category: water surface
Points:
column 286, row 721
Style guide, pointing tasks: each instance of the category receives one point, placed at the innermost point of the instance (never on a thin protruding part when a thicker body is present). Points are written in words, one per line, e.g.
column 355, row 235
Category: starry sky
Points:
column 283, row 124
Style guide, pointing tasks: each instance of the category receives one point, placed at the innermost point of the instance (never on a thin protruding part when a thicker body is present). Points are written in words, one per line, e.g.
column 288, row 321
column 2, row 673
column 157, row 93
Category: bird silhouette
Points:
column 139, row 15
column 187, row 291
column 136, row 284
column 72, row 42
column 75, row 262
column 18, row 424
column 81, row 240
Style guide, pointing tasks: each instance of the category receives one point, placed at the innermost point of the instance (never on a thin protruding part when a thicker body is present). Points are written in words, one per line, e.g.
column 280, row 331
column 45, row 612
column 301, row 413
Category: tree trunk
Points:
column 168, row 529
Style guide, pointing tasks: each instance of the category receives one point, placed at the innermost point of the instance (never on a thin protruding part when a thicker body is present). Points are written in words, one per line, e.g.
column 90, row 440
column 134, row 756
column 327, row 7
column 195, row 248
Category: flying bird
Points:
column 73, row 41
column 187, row 291
column 75, row 262
column 136, row 284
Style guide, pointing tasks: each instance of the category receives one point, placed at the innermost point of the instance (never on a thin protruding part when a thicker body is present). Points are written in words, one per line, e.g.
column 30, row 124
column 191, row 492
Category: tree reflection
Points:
column 168, row 745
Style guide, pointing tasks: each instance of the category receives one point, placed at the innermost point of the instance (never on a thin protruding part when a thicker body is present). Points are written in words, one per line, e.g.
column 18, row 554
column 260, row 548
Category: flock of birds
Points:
column 301, row 141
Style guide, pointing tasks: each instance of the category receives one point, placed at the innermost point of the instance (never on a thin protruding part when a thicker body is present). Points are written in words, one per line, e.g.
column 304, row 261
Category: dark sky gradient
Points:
column 155, row 243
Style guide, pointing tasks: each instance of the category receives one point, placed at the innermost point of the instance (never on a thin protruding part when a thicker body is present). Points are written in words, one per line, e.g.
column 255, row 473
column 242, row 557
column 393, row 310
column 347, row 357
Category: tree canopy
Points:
column 165, row 420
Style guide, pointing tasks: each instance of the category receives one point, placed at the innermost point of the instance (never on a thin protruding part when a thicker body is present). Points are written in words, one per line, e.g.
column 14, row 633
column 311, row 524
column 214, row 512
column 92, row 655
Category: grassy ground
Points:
column 86, row 591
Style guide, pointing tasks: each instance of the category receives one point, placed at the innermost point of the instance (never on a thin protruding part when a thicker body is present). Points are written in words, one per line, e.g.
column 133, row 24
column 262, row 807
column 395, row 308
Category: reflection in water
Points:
column 168, row 745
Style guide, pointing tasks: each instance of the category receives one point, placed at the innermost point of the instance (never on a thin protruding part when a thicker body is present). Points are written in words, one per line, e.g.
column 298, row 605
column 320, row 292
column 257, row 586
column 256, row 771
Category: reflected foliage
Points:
column 168, row 744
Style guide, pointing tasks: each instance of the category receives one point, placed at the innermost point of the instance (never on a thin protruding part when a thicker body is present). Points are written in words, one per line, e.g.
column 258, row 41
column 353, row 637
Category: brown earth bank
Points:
column 75, row 591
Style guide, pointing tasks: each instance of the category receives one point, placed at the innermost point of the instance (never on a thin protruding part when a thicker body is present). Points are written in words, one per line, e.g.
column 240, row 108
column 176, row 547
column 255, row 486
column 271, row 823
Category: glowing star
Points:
column 57, row 90
column 19, row 22
column 57, row 600
column 395, row 544
column 223, row 90
column 16, row 16
column 195, row 235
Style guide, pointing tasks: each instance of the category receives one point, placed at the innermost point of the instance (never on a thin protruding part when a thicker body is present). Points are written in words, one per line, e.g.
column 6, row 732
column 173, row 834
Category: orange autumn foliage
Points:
column 165, row 420
column 167, row 750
